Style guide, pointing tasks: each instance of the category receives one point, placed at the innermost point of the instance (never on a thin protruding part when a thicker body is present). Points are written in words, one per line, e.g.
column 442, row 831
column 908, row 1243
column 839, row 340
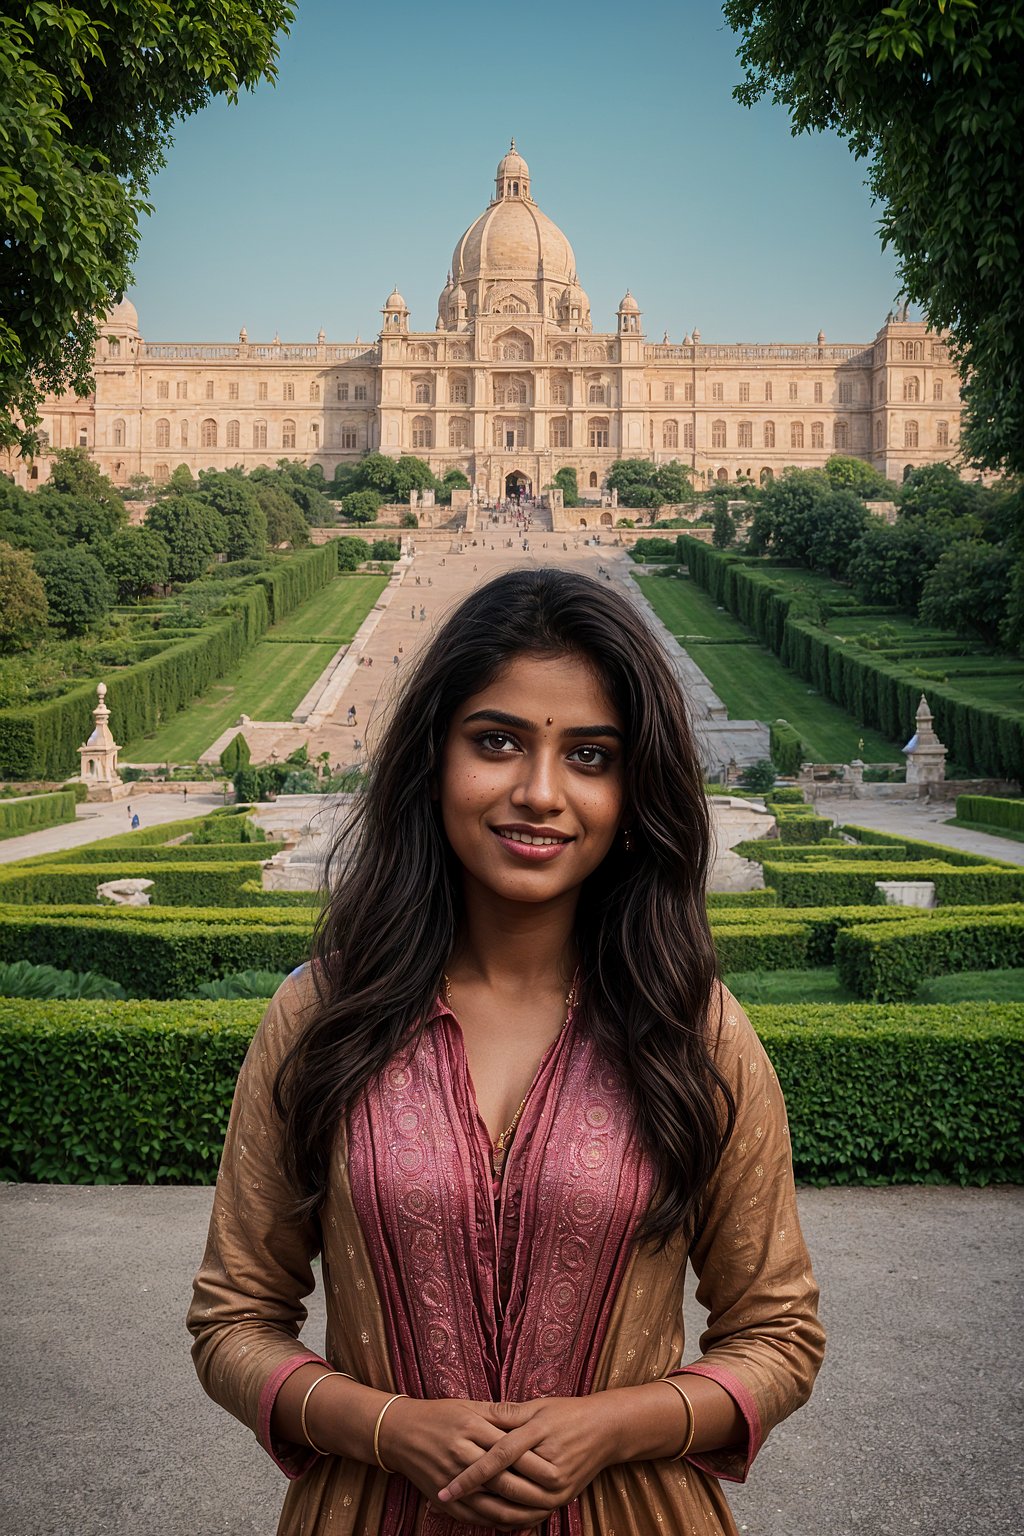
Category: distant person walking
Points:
column 135, row 822
column 352, row 714
column 184, row 793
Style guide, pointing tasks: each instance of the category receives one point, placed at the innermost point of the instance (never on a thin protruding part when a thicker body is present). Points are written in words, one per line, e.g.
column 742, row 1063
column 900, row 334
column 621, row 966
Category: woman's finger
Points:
column 504, row 1453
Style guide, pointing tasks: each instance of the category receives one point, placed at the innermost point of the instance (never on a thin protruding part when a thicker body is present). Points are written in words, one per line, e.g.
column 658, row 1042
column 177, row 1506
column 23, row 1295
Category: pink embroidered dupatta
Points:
column 510, row 1308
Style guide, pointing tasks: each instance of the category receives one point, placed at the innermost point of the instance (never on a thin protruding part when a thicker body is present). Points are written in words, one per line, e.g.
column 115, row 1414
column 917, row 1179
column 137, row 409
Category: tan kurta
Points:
column 762, row 1342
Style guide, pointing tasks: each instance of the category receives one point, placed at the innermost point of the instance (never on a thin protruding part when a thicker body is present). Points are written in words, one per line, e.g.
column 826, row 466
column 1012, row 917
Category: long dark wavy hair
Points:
column 647, row 962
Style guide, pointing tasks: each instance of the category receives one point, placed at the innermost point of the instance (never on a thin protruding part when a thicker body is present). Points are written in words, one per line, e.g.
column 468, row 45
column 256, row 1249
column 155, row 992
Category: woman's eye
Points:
column 497, row 741
column 590, row 757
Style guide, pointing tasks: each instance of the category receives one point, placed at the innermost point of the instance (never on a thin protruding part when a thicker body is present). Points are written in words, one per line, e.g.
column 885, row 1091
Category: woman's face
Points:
column 532, row 779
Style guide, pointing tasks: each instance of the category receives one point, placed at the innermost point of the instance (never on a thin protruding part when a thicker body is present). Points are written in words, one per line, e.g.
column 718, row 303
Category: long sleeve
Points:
column 763, row 1342
column 247, row 1309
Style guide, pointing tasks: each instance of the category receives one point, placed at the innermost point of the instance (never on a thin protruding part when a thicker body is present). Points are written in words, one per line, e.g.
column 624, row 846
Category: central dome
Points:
column 512, row 238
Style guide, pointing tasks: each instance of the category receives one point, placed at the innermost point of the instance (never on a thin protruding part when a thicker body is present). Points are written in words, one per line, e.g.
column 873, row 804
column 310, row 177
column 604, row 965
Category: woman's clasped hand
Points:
column 503, row 1465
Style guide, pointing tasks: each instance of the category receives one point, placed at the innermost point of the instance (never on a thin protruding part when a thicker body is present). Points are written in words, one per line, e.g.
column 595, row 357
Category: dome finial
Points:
column 512, row 146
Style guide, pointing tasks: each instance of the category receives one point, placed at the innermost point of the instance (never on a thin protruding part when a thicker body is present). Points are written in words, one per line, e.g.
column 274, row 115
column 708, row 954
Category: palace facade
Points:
column 512, row 384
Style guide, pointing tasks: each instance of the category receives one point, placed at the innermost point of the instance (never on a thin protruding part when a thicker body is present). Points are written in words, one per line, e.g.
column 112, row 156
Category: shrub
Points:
column 798, row 825
column 235, row 755
column 141, row 1091
column 762, row 898
column 177, row 883
column 19, row 979
column 785, row 794
column 889, row 966
column 770, row 848
column 30, row 812
column 759, row 776
column 78, row 789
column 385, row 549
column 166, row 958
column 786, row 748
column 992, row 811
column 177, row 853
column 762, row 945
column 832, row 883
column 242, row 984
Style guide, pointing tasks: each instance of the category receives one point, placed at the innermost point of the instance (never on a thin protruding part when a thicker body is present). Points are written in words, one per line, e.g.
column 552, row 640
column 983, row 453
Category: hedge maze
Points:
column 138, row 1087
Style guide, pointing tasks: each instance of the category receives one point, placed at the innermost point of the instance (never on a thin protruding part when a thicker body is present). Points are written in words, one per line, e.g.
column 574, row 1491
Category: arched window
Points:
column 687, row 434
column 723, row 474
column 118, row 433
column 769, row 434
column 745, row 435
column 161, row 471
column 912, row 388
column 593, row 486
column 421, row 392
column 459, row 392
column 595, row 394
column 558, row 432
column 767, row 475
column 234, row 434
column 670, row 434
column 163, row 433
column 208, row 433
column 259, row 434
column 908, row 470
column 817, row 434
column 942, row 434
column 314, row 391
column 422, row 434
column 560, row 394
column 288, row 433
column 796, row 434
column 115, row 347
column 718, row 434
column 599, row 433
column 184, row 434
column 841, row 435
column 910, row 434
column 937, row 390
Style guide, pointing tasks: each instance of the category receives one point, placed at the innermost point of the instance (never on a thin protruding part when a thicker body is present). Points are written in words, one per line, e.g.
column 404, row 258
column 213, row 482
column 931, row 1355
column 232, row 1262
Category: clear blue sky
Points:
column 304, row 204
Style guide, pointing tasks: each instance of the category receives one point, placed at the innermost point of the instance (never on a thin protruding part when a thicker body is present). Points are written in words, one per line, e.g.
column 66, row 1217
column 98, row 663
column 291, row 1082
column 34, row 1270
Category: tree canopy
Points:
column 929, row 94
column 89, row 95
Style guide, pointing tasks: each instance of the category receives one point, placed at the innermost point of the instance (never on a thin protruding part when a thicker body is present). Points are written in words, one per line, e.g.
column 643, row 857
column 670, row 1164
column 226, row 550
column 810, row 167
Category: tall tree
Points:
column 23, row 608
column 928, row 92
column 89, row 95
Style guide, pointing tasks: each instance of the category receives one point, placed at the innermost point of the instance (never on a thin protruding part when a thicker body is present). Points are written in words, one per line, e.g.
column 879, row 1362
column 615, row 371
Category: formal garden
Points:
column 122, row 1028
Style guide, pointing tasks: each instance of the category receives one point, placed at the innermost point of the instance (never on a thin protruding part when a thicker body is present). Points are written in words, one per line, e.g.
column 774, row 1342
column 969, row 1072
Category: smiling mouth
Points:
column 530, row 839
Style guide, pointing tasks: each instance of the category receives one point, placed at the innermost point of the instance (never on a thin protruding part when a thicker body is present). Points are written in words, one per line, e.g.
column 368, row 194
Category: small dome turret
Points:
column 629, row 305
column 512, row 178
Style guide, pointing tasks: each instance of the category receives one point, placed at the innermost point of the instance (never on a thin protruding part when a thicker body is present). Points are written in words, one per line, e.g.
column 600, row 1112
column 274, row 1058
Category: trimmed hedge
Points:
column 762, row 848
column 164, row 959
column 874, row 689
column 176, row 884
column 886, row 966
column 785, row 747
column 785, row 794
column 762, row 898
column 991, row 811
column 41, row 741
column 799, row 826
column 28, row 813
column 917, row 849
column 833, row 883
column 128, row 1091
column 176, row 853
column 762, row 945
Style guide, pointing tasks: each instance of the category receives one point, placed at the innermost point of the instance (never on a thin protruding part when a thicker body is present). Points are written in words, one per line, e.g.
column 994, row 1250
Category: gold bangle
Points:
column 376, row 1431
column 691, row 1423
column 302, row 1411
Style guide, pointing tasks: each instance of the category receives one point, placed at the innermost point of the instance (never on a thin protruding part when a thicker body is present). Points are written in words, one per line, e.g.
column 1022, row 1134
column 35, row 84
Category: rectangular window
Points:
column 348, row 439
column 792, row 391
column 163, row 389
column 183, row 389
column 209, row 389
column 718, row 391
column 559, row 434
column 687, row 434
column 744, row 394
column 289, row 392
column 670, row 391
column 559, row 395
column 745, row 435
column 359, row 393
column 599, row 437
column 342, row 391
column 232, row 391
column 818, row 394
column 687, row 391
column 768, row 390
column 261, row 391
column 846, row 394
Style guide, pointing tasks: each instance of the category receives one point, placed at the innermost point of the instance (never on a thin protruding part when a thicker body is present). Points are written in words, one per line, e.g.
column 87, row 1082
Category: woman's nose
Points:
column 540, row 783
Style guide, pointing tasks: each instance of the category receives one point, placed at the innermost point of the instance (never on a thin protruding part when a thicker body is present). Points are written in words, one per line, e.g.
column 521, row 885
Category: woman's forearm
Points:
column 650, row 1422
column 340, row 1415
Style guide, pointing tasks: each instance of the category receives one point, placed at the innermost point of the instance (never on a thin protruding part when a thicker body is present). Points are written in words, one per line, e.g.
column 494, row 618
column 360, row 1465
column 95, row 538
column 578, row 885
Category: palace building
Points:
column 512, row 383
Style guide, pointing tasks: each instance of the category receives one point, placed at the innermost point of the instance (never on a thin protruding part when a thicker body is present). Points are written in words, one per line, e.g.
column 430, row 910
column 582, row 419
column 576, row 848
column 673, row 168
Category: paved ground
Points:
column 97, row 821
column 914, row 1426
column 913, row 818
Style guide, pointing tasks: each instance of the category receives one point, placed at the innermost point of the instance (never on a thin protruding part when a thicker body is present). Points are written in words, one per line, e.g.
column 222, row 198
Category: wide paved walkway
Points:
column 97, row 821
column 913, row 1429
column 915, row 818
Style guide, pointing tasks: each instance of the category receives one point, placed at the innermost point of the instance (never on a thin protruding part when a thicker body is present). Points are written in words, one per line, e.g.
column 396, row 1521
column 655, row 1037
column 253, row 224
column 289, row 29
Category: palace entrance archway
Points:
column 518, row 484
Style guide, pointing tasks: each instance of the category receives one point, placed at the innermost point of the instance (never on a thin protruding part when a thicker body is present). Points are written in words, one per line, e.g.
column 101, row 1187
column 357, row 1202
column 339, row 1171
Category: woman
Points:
column 506, row 1103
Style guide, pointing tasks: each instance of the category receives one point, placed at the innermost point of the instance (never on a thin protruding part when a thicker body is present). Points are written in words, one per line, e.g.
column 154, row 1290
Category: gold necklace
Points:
column 500, row 1146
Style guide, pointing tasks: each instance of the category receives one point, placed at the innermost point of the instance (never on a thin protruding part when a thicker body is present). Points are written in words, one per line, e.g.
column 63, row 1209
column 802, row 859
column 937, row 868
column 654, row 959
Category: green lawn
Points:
column 822, row 986
column 752, row 683
column 274, row 676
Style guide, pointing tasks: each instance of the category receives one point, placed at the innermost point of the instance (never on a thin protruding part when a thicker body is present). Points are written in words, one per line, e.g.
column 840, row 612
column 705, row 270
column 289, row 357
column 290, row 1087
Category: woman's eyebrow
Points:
column 517, row 723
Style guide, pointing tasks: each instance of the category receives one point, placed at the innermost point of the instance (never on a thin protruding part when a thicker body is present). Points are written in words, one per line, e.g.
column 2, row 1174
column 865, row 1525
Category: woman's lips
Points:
column 531, row 852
